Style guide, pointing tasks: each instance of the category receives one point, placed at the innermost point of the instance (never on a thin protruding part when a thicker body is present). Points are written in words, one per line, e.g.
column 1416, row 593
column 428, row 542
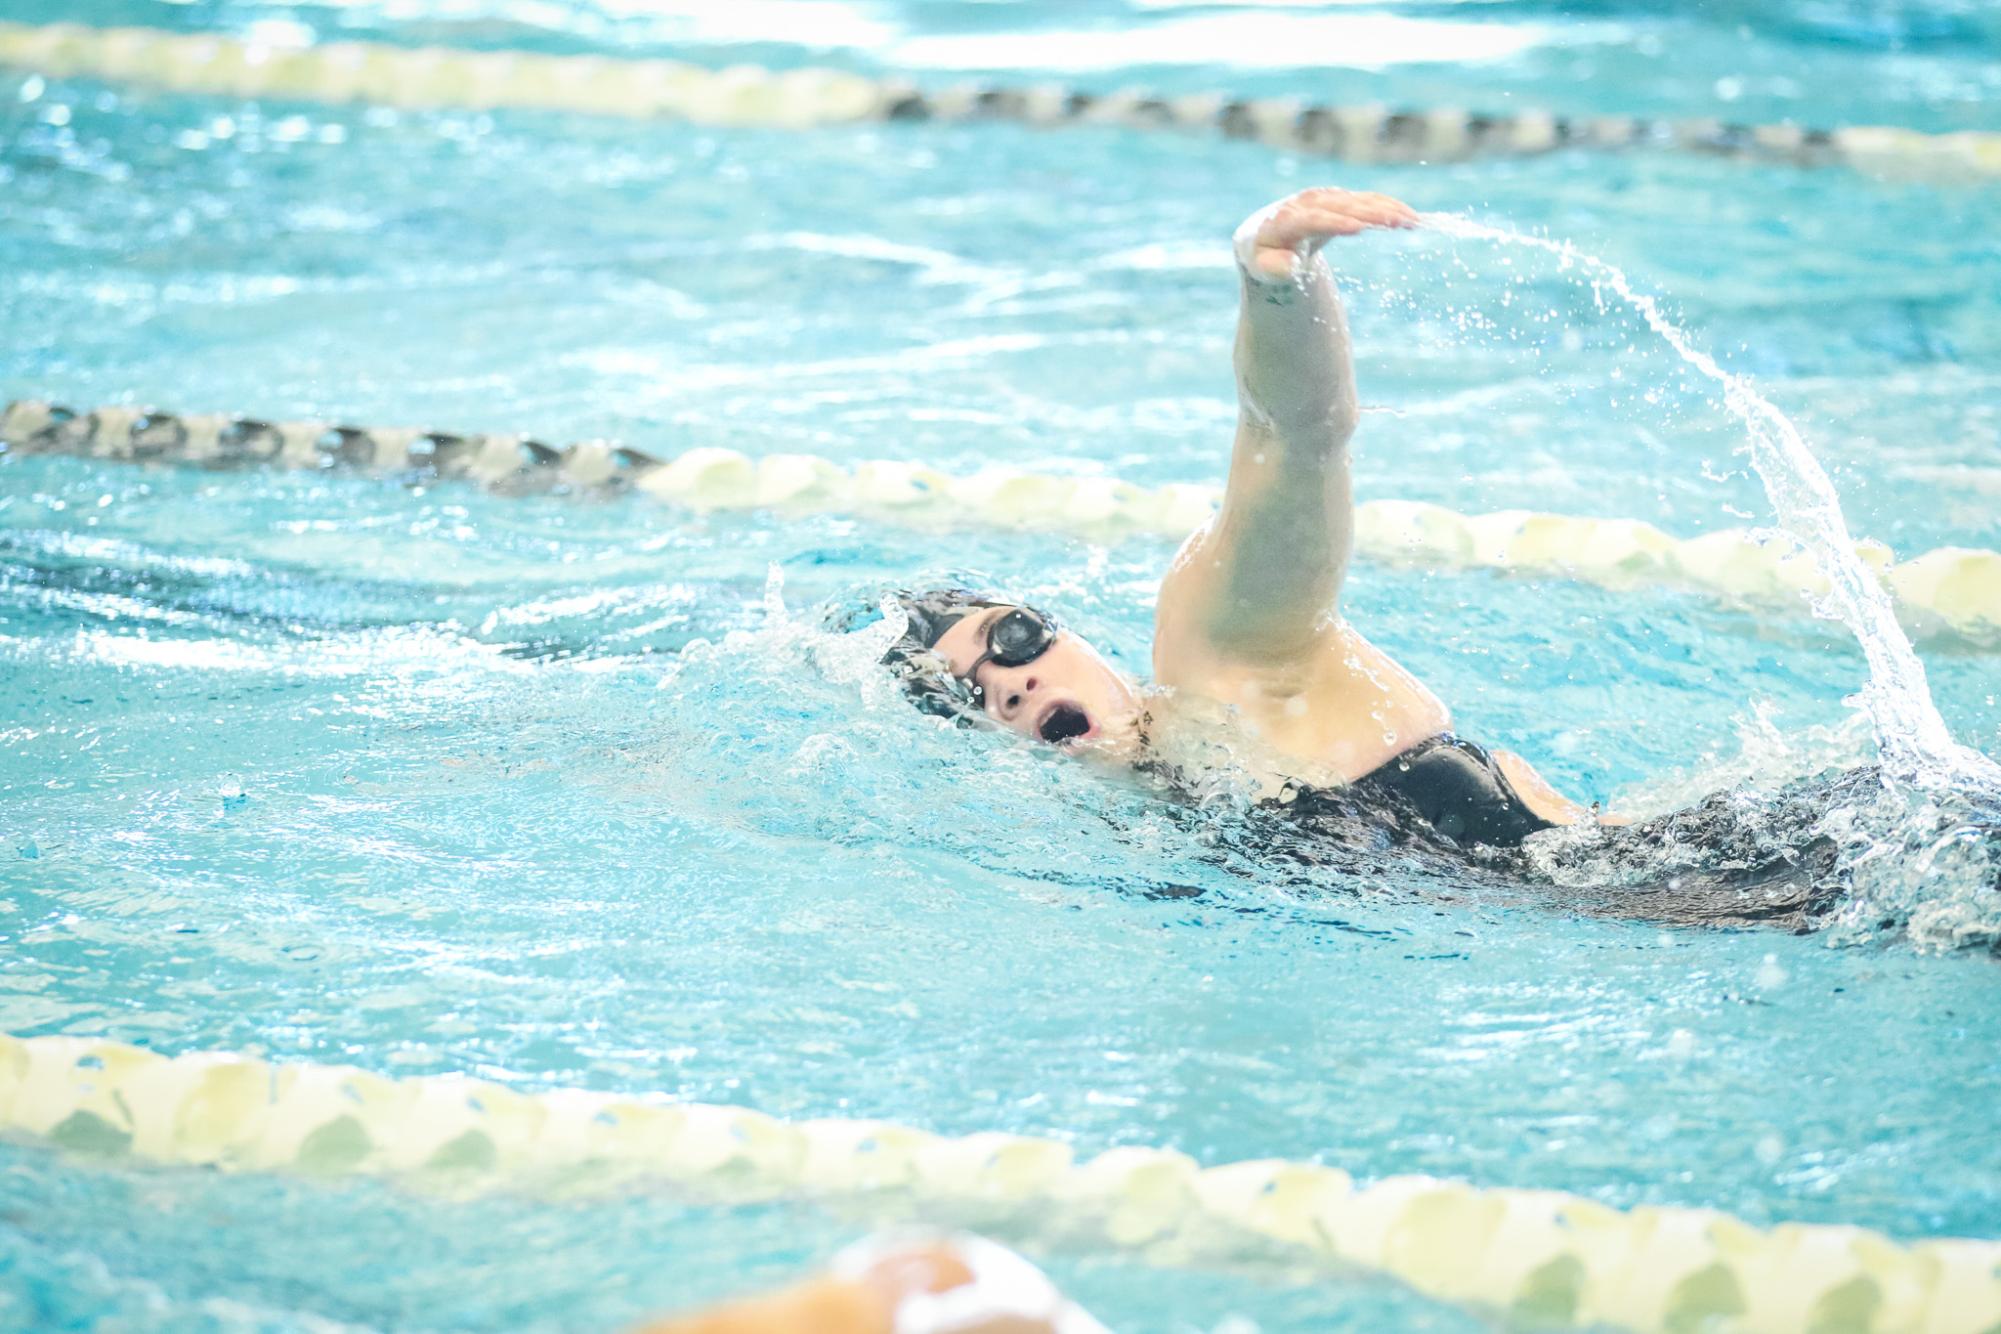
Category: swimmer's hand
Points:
column 1273, row 241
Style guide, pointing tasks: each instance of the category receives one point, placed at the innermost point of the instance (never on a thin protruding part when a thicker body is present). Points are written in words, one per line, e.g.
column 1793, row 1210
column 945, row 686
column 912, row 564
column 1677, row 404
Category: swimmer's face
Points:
column 1067, row 694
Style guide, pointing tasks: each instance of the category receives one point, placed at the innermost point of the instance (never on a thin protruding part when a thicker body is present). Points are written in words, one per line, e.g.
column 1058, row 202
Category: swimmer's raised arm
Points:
column 1295, row 376
column 1264, row 575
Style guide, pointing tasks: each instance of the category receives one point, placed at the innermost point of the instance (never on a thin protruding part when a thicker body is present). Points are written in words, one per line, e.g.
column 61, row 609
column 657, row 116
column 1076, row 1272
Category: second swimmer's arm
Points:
column 1260, row 580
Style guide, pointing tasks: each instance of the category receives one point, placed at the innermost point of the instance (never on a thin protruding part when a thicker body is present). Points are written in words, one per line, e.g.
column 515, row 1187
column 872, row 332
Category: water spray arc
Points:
column 1911, row 735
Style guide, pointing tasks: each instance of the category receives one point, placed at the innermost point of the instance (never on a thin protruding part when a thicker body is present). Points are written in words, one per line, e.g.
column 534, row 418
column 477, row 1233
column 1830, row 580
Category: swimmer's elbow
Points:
column 1326, row 426
column 1306, row 412
column 1289, row 440
column 1305, row 402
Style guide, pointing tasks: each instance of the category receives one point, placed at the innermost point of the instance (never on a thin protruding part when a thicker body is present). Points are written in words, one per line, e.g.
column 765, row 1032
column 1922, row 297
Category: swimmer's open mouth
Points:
column 1064, row 722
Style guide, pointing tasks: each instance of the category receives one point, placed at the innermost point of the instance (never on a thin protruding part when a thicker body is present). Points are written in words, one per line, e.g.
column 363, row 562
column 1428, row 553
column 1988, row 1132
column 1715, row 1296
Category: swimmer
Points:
column 1257, row 671
column 1248, row 630
column 958, row 1284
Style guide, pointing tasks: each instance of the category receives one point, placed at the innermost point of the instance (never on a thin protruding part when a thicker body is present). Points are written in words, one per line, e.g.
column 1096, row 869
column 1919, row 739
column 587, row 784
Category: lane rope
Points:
column 1951, row 590
column 1537, row 1256
column 746, row 95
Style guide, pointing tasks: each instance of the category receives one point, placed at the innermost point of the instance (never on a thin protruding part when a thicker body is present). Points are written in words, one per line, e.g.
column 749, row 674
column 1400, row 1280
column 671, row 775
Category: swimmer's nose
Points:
column 1014, row 696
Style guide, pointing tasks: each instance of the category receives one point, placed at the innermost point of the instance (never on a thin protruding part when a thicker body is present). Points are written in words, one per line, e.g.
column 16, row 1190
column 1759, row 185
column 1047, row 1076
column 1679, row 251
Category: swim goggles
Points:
column 1013, row 640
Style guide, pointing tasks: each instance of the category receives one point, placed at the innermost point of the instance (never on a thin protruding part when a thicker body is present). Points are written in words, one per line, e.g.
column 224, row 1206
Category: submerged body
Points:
column 1725, row 862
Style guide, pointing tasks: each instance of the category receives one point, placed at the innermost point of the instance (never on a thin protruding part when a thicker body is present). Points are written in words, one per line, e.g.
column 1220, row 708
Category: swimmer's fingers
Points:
column 1392, row 211
column 1303, row 223
column 1311, row 221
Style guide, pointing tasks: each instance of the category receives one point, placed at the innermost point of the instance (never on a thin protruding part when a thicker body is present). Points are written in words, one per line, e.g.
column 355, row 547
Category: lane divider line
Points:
column 1527, row 1255
column 1949, row 591
column 438, row 77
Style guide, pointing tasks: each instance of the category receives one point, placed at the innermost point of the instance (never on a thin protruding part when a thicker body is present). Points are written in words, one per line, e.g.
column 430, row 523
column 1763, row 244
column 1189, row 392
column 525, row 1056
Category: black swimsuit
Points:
column 1445, row 810
column 1459, row 789
column 1445, row 801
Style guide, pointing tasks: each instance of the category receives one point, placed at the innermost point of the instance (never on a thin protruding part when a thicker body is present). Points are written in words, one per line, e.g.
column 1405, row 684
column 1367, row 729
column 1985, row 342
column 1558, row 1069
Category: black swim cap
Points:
column 924, row 677
column 934, row 612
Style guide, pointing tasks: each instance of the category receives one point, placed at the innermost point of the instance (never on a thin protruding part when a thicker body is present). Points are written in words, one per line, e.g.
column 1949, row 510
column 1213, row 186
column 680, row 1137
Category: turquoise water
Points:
column 549, row 790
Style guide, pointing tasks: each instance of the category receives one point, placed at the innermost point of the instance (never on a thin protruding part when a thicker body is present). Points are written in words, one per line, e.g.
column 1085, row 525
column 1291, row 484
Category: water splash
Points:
column 1911, row 737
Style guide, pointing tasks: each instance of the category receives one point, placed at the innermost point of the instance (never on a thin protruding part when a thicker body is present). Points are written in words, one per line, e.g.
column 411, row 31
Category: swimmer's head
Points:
column 968, row 654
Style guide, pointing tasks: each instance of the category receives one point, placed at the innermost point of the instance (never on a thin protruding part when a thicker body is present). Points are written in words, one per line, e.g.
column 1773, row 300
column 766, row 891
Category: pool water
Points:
column 577, row 791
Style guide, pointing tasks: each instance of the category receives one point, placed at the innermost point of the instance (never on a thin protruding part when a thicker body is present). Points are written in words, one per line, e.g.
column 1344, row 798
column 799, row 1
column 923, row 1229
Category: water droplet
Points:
column 230, row 789
column 1771, row 974
column 29, row 850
